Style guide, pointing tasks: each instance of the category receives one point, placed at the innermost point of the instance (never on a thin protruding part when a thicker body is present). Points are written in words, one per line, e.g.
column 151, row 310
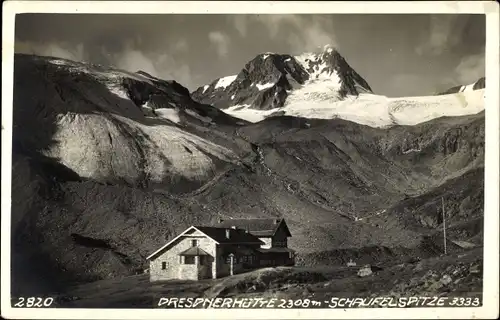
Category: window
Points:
column 189, row 260
column 194, row 243
column 280, row 243
column 163, row 265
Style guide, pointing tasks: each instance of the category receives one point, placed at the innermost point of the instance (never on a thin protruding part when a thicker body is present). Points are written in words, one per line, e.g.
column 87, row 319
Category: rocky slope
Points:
column 108, row 164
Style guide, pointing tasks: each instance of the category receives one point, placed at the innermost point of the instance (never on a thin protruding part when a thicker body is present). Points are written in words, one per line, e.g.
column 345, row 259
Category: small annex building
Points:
column 232, row 246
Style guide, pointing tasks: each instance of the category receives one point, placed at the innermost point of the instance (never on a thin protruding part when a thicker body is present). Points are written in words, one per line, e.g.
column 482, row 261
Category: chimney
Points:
column 228, row 232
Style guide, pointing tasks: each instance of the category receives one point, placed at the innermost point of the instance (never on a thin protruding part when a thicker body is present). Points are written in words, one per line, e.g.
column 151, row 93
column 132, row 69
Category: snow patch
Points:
column 411, row 150
column 117, row 91
column 232, row 97
column 169, row 114
column 246, row 113
column 58, row 62
column 225, row 82
column 320, row 71
column 264, row 86
column 316, row 90
column 205, row 88
column 466, row 88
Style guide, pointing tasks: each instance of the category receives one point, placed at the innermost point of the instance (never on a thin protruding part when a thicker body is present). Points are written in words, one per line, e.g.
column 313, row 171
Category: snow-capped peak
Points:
column 269, row 80
column 327, row 64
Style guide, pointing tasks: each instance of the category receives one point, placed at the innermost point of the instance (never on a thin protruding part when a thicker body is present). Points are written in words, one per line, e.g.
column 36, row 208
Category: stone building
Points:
column 230, row 247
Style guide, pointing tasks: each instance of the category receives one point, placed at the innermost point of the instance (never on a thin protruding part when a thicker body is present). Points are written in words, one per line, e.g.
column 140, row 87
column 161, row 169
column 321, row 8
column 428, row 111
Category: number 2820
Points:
column 33, row 302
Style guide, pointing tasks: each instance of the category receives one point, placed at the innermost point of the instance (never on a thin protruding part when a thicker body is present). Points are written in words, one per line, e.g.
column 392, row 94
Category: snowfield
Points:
column 169, row 114
column 318, row 100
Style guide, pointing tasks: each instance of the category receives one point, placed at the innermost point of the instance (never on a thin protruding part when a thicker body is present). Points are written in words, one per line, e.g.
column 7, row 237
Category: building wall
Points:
column 224, row 268
column 188, row 272
column 280, row 238
column 194, row 271
column 267, row 242
column 171, row 257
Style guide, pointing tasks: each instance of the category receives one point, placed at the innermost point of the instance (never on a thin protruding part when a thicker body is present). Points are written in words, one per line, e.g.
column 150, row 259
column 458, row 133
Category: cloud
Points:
column 470, row 69
column 172, row 69
column 60, row 50
column 161, row 65
column 240, row 23
column 180, row 46
column 127, row 56
column 314, row 34
column 300, row 32
column 445, row 32
column 135, row 60
column 221, row 42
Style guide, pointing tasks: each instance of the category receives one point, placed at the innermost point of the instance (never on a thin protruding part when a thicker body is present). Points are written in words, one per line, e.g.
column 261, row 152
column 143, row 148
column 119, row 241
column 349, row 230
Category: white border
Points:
column 491, row 236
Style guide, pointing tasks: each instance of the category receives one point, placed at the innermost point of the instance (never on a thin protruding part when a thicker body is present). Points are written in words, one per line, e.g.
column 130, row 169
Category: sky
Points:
column 398, row 55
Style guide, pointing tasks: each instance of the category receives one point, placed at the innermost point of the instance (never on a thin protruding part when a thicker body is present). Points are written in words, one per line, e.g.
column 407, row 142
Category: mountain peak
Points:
column 329, row 47
column 269, row 78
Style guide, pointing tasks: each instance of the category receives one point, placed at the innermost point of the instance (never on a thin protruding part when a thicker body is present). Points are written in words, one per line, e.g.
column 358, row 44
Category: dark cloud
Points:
column 397, row 54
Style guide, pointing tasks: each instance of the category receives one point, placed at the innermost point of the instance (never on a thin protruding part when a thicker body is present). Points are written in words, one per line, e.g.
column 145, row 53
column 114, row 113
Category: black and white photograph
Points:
column 294, row 157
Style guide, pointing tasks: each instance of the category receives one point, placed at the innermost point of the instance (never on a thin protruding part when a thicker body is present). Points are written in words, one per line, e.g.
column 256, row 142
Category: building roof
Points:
column 260, row 227
column 235, row 235
column 219, row 235
column 194, row 251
